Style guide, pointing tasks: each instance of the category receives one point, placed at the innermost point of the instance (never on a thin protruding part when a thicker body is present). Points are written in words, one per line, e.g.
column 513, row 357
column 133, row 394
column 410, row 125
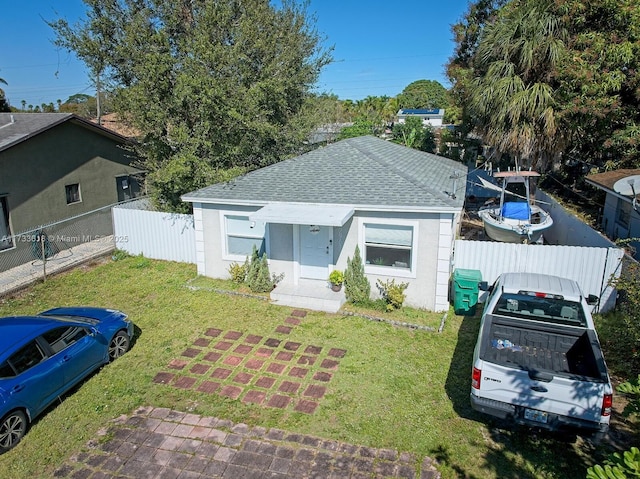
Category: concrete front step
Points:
column 316, row 296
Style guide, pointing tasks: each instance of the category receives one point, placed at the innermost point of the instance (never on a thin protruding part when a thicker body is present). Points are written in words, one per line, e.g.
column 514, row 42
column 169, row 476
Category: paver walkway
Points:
column 264, row 370
column 166, row 444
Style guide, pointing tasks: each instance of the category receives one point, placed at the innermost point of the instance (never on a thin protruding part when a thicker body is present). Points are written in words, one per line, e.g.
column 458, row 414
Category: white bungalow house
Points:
column 401, row 206
column 429, row 117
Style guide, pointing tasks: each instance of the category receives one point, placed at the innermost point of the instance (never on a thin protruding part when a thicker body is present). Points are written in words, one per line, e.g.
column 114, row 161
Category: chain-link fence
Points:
column 59, row 244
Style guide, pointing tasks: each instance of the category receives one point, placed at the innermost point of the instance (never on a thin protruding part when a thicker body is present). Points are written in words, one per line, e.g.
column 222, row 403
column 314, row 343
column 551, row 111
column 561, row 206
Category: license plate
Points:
column 537, row 416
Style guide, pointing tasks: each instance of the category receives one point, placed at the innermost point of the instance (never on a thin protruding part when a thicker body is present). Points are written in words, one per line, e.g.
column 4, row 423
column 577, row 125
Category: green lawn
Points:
column 395, row 388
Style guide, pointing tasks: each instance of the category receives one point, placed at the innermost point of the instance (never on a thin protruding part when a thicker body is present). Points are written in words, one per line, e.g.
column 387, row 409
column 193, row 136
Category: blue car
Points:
column 43, row 356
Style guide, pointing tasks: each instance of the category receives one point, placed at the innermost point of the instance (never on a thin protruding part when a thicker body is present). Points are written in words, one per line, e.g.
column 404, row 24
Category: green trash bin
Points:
column 464, row 290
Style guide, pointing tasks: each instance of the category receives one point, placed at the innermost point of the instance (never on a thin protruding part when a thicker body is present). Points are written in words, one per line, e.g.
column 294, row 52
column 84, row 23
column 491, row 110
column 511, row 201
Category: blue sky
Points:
column 380, row 47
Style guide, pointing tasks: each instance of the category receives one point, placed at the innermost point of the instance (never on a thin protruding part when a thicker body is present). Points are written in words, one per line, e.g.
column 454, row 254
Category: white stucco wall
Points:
column 428, row 281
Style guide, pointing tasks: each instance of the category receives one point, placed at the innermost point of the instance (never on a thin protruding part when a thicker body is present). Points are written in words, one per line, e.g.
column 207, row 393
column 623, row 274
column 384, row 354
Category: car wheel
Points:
column 119, row 345
column 12, row 428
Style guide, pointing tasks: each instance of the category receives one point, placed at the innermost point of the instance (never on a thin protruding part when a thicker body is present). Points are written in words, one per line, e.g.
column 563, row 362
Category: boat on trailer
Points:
column 518, row 219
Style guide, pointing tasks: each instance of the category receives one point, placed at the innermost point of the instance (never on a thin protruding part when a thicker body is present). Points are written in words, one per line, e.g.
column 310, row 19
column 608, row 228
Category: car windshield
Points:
column 547, row 309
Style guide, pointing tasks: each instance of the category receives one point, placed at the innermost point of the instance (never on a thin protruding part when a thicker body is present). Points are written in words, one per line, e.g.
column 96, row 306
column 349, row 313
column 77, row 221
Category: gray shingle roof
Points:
column 17, row 127
column 363, row 172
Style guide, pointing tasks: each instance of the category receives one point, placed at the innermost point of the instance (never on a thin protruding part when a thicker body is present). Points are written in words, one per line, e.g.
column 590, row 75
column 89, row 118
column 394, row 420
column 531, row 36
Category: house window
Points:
column 6, row 240
column 128, row 187
column 388, row 245
column 242, row 235
column 73, row 193
column 623, row 213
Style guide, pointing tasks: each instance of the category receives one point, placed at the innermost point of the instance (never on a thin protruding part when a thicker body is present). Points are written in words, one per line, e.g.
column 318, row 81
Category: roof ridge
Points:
column 380, row 159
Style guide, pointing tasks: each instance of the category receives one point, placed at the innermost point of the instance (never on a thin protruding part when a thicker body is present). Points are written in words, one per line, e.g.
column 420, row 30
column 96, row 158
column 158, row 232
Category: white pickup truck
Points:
column 537, row 360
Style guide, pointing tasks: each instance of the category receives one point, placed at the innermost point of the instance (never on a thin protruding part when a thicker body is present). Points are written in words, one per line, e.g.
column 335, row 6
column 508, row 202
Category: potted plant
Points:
column 336, row 278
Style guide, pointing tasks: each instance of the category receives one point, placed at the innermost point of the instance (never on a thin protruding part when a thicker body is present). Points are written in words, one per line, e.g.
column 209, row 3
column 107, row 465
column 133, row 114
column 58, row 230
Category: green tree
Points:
column 390, row 109
column 373, row 110
column 324, row 111
column 413, row 134
column 600, row 78
column 511, row 99
column 543, row 79
column 360, row 127
column 211, row 86
column 4, row 104
column 467, row 33
column 424, row 94
column 88, row 40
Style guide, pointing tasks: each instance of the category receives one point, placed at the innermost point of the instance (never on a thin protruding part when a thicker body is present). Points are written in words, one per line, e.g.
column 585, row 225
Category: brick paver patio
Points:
column 270, row 371
column 166, row 444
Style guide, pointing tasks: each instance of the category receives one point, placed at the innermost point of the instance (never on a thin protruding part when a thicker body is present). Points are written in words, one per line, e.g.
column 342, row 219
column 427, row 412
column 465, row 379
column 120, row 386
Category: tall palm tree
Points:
column 512, row 98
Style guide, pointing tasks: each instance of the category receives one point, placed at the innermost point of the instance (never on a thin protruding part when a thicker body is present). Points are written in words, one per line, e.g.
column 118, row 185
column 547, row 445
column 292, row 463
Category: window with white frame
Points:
column 242, row 235
column 388, row 245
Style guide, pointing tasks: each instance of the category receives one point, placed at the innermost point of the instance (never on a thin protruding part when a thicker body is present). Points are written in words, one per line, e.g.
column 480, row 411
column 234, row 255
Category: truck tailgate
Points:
column 544, row 392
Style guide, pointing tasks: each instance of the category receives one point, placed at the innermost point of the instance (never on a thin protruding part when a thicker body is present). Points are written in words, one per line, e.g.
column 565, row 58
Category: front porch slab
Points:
column 316, row 296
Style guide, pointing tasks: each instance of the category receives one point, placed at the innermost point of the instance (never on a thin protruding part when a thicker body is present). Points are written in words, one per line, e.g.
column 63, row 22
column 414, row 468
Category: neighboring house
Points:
column 112, row 122
column 621, row 215
column 327, row 133
column 401, row 206
column 55, row 166
column 432, row 117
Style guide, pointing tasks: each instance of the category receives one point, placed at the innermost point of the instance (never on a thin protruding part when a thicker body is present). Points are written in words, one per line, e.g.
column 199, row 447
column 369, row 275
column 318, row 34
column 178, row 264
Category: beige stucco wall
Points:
column 427, row 283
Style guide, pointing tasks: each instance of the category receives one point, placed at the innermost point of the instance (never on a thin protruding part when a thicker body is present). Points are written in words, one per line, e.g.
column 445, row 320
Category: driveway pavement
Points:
column 166, row 444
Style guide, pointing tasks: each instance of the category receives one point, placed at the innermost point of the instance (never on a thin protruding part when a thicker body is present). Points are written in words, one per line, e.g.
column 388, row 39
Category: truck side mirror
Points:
column 592, row 299
column 483, row 286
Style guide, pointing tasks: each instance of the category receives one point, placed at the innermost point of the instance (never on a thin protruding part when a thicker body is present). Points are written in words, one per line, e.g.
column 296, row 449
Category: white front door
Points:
column 316, row 251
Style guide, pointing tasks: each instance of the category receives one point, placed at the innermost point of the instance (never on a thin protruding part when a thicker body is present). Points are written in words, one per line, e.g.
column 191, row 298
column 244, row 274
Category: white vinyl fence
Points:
column 157, row 235
column 590, row 267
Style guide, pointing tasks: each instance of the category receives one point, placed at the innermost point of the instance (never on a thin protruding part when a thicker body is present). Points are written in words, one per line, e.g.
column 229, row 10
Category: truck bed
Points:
column 512, row 342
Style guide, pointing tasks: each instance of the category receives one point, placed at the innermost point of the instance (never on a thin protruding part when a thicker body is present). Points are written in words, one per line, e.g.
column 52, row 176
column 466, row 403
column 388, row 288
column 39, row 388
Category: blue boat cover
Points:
column 516, row 211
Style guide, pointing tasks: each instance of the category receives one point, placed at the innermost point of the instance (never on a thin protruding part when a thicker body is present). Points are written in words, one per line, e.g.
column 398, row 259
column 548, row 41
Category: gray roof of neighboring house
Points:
column 18, row 127
column 362, row 172
column 608, row 179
